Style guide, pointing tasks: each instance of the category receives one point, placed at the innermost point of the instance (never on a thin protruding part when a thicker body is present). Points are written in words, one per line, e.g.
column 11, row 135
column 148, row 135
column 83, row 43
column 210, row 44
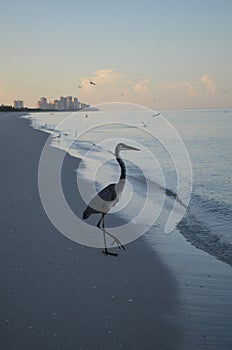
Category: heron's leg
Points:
column 104, row 235
column 99, row 222
column 116, row 240
column 104, row 231
column 105, row 251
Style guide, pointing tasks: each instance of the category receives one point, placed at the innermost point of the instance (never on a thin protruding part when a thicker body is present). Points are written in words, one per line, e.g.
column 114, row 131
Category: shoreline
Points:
column 160, row 293
column 57, row 294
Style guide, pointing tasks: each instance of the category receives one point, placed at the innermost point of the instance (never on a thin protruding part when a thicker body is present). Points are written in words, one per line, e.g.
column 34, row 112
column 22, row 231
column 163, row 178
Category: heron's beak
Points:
column 130, row 148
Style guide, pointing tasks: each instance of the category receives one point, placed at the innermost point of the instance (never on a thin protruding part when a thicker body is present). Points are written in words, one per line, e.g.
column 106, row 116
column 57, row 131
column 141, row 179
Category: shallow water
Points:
column 161, row 164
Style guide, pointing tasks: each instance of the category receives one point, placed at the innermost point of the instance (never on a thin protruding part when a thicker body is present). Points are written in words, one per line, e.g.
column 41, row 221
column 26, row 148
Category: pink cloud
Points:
column 142, row 87
column 209, row 84
column 186, row 84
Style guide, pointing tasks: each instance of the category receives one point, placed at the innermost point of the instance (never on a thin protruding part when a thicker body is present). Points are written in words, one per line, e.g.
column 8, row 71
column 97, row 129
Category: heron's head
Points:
column 124, row 147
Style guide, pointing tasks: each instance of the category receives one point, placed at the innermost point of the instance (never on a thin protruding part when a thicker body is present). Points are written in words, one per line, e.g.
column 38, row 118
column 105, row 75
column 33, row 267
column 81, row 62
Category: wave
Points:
column 207, row 225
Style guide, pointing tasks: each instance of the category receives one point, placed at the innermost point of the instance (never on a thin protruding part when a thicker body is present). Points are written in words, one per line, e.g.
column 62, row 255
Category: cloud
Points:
column 101, row 77
column 113, row 85
column 191, row 90
column 186, row 84
column 142, row 89
column 209, row 84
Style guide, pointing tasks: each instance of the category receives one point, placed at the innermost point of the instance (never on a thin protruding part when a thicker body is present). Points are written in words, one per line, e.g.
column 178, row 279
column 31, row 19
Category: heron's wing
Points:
column 108, row 193
column 103, row 201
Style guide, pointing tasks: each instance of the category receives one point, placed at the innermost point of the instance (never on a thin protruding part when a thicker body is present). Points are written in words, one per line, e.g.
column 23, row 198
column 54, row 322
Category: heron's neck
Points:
column 123, row 168
column 121, row 182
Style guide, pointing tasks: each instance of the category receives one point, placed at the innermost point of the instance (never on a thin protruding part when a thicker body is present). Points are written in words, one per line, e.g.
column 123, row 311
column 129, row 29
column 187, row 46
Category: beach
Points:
column 57, row 294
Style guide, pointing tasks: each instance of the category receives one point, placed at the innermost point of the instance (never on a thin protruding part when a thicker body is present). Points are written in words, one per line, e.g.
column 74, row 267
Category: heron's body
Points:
column 109, row 196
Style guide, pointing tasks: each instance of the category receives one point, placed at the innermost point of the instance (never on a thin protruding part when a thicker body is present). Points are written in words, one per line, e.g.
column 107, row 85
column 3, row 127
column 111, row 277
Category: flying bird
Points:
column 57, row 136
column 79, row 86
column 92, row 82
column 155, row 114
column 144, row 125
column 104, row 200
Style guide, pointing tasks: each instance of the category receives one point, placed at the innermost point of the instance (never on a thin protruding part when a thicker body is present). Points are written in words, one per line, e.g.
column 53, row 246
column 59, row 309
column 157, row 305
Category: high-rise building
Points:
column 50, row 105
column 56, row 104
column 62, row 103
column 75, row 103
column 42, row 103
column 17, row 104
column 69, row 103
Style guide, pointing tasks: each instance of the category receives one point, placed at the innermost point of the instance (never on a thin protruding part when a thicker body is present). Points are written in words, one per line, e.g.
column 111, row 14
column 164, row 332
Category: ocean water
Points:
column 185, row 161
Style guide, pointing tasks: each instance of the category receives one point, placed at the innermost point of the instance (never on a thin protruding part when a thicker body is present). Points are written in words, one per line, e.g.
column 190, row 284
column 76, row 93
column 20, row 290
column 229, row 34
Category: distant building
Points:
column 56, row 104
column 62, row 103
column 42, row 103
column 17, row 104
column 76, row 104
column 69, row 103
column 50, row 105
column 83, row 105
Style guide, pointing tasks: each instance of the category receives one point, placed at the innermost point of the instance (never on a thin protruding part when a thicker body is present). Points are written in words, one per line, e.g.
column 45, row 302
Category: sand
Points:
column 57, row 294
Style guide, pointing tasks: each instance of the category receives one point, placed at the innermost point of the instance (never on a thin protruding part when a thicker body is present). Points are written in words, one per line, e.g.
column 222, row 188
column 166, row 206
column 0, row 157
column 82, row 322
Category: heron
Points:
column 108, row 197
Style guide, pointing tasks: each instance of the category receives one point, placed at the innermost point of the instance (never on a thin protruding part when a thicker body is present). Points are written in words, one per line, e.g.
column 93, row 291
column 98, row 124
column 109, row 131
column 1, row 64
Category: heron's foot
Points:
column 119, row 244
column 106, row 252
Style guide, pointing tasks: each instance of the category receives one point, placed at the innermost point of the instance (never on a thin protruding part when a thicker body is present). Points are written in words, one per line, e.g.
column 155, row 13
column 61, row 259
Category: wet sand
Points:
column 57, row 294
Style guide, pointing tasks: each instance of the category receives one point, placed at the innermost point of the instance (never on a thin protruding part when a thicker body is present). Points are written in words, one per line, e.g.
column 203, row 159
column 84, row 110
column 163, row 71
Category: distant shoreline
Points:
column 7, row 109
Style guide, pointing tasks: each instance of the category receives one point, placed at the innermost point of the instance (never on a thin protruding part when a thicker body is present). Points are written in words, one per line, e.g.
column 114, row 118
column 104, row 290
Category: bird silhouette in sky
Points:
column 92, row 82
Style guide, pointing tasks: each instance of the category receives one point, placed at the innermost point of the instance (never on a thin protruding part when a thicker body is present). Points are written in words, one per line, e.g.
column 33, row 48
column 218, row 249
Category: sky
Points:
column 157, row 53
